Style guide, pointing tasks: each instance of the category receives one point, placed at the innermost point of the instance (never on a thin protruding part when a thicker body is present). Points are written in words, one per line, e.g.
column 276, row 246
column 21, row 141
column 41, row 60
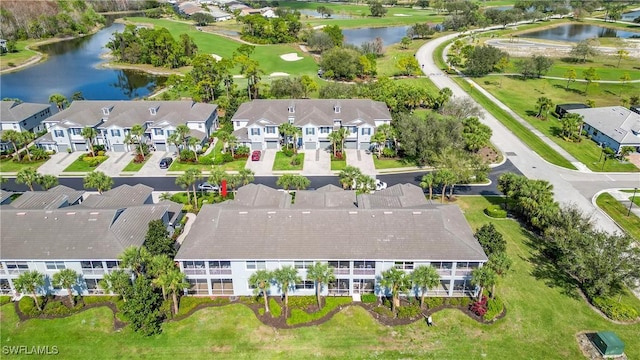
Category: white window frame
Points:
column 58, row 133
column 303, row 264
column 256, row 265
column 310, row 131
column 55, row 265
column 368, row 131
column 255, row 131
column 404, row 265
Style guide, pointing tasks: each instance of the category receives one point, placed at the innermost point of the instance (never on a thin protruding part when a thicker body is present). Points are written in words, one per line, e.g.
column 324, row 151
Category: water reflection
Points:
column 630, row 16
column 389, row 35
column 315, row 14
column 578, row 32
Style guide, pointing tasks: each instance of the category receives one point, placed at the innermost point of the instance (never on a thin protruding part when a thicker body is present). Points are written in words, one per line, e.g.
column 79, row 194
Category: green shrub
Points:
column 248, row 300
column 261, row 311
column 465, row 302
column 453, row 301
column 615, row 310
column 383, row 310
column 227, row 157
column 275, row 308
column 218, row 160
column 287, row 152
column 495, row 211
column 28, row 307
column 302, row 302
column 388, row 153
column 188, row 303
column 58, row 308
column 300, row 316
column 206, row 160
column 88, row 300
column 407, row 312
column 242, row 150
column 187, row 156
column 494, row 308
column 166, row 309
column 369, row 298
column 94, row 161
column 5, row 300
column 221, row 301
column 433, row 302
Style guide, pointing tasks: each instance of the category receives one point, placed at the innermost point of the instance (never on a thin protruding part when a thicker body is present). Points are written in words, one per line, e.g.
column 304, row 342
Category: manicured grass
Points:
column 79, row 165
column 22, row 54
column 300, row 316
column 391, row 163
column 133, row 166
column 521, row 97
column 339, row 165
column 618, row 212
column 8, row 165
column 283, row 162
column 543, row 317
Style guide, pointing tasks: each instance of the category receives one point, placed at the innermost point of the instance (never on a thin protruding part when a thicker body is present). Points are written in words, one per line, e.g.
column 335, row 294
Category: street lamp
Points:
column 632, row 200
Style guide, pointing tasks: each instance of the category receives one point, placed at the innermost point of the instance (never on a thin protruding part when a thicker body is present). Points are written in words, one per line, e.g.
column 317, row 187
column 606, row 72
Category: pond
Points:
column 72, row 66
column 389, row 35
column 630, row 16
column 315, row 14
column 578, row 32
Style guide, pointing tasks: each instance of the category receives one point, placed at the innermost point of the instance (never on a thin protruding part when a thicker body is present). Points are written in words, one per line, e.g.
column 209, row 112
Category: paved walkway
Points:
column 361, row 160
column 58, row 162
column 115, row 163
column 625, row 199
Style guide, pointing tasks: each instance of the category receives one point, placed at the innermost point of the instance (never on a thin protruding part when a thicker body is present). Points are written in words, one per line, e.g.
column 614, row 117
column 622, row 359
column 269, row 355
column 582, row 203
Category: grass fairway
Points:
column 542, row 319
column 618, row 212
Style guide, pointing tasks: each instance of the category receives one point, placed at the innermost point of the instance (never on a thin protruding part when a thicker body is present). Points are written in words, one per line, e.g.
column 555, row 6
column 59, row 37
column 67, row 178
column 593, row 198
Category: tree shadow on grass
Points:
column 556, row 131
column 569, row 89
column 531, row 113
column 544, row 269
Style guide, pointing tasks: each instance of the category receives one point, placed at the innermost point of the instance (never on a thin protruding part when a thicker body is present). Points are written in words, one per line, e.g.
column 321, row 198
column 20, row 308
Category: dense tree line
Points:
column 260, row 30
column 21, row 20
column 154, row 46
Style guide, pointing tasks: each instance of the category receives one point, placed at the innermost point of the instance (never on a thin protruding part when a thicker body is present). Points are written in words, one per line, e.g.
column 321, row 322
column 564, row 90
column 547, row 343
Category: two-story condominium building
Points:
column 113, row 121
column 22, row 117
column 255, row 124
column 359, row 236
column 612, row 126
column 48, row 232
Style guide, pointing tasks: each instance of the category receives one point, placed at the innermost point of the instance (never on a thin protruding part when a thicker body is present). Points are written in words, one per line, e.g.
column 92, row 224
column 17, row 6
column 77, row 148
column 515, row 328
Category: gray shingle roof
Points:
column 11, row 111
column 120, row 197
column 616, row 122
column 128, row 113
column 56, row 197
column 260, row 196
column 318, row 112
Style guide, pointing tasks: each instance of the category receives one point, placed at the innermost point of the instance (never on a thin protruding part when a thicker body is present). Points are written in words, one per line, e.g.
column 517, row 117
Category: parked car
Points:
column 205, row 186
column 380, row 185
column 255, row 155
column 165, row 162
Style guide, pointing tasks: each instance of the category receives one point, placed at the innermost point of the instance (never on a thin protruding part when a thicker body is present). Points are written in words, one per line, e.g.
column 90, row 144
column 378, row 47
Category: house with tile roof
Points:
column 21, row 117
column 113, row 121
column 359, row 236
column 255, row 124
column 612, row 126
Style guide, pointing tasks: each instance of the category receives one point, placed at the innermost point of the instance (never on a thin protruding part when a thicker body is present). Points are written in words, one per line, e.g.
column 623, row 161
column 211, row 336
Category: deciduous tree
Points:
column 491, row 239
column 142, row 309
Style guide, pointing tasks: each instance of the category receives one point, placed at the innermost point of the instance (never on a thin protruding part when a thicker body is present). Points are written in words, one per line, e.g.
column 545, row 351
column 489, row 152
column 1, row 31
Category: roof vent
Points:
column 352, row 212
column 153, row 110
column 417, row 212
column 21, row 213
column 388, row 212
column 106, row 110
column 242, row 213
column 71, row 213
column 306, row 212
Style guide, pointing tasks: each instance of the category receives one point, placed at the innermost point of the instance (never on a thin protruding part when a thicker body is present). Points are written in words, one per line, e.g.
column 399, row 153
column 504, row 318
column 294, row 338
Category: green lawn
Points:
column 21, row 55
column 543, row 317
column 235, row 165
column 391, row 163
column 79, row 165
column 283, row 162
column 339, row 165
column 133, row 166
column 7, row 165
column 618, row 212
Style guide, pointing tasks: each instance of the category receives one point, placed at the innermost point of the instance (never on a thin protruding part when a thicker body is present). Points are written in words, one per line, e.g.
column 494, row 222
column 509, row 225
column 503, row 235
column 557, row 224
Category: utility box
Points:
column 608, row 343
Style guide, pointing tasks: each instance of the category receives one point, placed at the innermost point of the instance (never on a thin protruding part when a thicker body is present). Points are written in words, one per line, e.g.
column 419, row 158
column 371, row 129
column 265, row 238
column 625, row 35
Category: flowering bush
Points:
column 479, row 307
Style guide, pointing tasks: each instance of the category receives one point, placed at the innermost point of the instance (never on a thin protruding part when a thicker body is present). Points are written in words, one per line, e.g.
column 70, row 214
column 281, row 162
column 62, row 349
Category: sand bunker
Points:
column 401, row 15
column 278, row 74
column 291, row 57
column 217, row 57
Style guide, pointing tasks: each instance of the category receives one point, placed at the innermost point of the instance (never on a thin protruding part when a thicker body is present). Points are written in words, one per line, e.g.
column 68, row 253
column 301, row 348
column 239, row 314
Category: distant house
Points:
column 562, row 109
column 256, row 123
column 613, row 126
column 635, row 109
column 220, row 15
column 22, row 117
column 3, row 44
column 113, row 121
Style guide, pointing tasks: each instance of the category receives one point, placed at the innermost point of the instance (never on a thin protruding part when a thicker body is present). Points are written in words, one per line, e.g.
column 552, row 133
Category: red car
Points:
column 255, row 156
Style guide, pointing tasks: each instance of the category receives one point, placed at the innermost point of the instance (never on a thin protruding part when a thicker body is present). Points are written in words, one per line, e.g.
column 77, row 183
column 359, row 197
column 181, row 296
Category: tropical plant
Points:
column 444, row 177
column 60, row 101
column 117, row 282
column 176, row 281
column 29, row 282
column 286, row 277
column 260, row 281
column 425, row 278
column 160, row 266
column 544, row 104
column 137, row 131
column 89, row 133
column 27, row 176
column 216, row 176
column 99, row 181
column 26, row 137
column 427, row 181
column 246, row 176
column 483, row 277
column 66, row 278
column 135, row 258
column 12, row 136
column 298, row 182
column 348, row 176
column 46, row 182
column 396, row 281
column 321, row 274
column 193, row 175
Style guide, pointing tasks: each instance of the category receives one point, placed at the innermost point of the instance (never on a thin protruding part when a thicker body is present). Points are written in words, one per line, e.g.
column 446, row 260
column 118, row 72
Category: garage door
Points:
column 118, row 147
column 160, row 146
column 325, row 145
column 364, row 145
column 310, row 145
column 256, row 146
column 350, row 144
column 272, row 144
column 62, row 148
column 80, row 146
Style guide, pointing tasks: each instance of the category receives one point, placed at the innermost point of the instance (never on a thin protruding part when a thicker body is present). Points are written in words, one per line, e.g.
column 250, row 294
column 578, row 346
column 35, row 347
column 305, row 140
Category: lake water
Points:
column 578, row 32
column 72, row 66
column 630, row 15
column 389, row 35
column 315, row 14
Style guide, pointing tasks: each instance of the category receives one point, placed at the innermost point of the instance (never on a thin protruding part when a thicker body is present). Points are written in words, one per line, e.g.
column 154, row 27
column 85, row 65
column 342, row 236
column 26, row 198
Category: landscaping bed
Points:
column 86, row 163
column 287, row 160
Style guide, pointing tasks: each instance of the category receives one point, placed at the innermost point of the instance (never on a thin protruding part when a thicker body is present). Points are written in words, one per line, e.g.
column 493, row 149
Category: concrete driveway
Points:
column 361, row 160
column 316, row 162
column 264, row 166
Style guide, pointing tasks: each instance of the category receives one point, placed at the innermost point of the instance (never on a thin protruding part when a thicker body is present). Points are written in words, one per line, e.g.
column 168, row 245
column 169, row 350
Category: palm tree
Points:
column 29, row 282
column 193, row 143
column 389, row 133
column 183, row 132
column 192, row 176
column 246, row 176
column 232, row 141
column 396, row 281
column 297, row 133
column 216, row 176
column 379, row 138
column 343, row 133
column 427, row 181
column 89, row 134
column 300, row 182
column 66, row 278
column 287, row 130
column 348, row 176
column 500, row 263
column 261, row 281
column 183, row 182
column 26, row 138
column 99, row 181
column 287, row 277
column 365, row 184
column 224, row 137
column 174, row 138
column 176, row 281
column 117, row 282
column 320, row 273
column 425, row 278
column 444, row 177
column 47, row 181
column 27, row 176
column 483, row 277
column 137, row 130
column 12, row 136
column 544, row 104
column 136, row 259
column 60, row 101
column 334, row 137
column 159, row 267
column 166, row 196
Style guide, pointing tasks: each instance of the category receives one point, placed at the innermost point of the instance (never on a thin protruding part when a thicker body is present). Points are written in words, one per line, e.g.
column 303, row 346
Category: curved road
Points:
column 570, row 186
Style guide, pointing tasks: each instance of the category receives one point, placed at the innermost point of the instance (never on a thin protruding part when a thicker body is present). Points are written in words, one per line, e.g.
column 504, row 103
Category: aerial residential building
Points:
column 113, row 121
column 256, row 123
column 359, row 236
column 613, row 126
column 21, row 117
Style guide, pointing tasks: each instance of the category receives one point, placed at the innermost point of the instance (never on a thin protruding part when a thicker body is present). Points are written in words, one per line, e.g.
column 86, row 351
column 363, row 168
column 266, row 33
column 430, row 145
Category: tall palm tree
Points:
column 544, row 104
column 500, row 263
column 261, row 281
column 287, row 130
column 365, row 184
column 321, row 274
column 46, row 182
column 483, row 277
column 224, row 137
column 27, row 176
column 444, row 177
column 425, row 278
column 334, row 137
column 300, row 182
column 193, row 144
column 427, row 181
column 137, row 130
column 192, row 176
column 99, row 181
column 176, row 281
column 66, row 278
column 117, row 282
column 89, row 134
column 348, row 176
column 183, row 132
column 12, row 136
column 159, row 267
column 183, row 182
column 232, row 141
column 60, row 101
column 174, row 139
column 389, row 134
column 297, row 134
column 246, row 176
column 396, row 281
column 29, row 282
column 343, row 133
column 26, row 137
column 286, row 277
column 216, row 176
column 379, row 138
column 135, row 258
